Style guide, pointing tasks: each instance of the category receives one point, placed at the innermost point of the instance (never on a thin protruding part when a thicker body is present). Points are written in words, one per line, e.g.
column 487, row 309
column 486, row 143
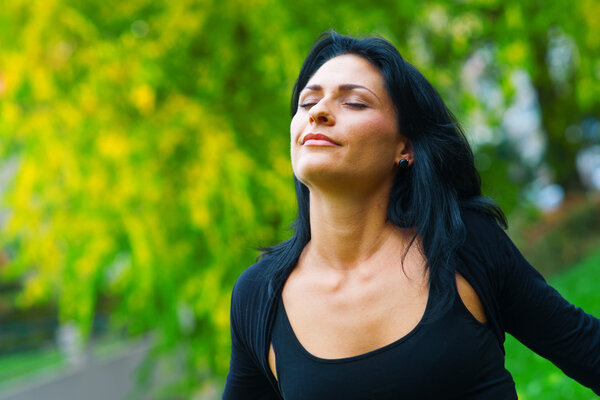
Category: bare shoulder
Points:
column 470, row 299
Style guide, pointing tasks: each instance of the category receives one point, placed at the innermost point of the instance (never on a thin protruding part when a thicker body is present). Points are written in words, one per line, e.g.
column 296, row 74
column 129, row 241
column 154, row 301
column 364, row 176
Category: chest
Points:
column 450, row 357
column 354, row 319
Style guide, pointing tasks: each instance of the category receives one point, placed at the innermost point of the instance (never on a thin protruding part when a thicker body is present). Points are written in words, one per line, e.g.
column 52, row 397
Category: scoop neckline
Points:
column 368, row 354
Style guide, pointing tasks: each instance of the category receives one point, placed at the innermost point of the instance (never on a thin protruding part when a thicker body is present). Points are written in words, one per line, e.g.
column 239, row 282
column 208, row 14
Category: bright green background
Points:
column 148, row 140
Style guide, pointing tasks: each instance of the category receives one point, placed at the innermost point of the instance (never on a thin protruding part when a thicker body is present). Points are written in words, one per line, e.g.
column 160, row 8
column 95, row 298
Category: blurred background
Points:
column 144, row 159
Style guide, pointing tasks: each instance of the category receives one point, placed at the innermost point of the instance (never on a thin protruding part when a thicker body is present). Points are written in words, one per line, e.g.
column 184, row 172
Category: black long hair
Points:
column 430, row 195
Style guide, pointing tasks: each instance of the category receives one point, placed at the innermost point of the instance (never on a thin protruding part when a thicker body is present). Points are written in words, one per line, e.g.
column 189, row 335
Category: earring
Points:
column 403, row 163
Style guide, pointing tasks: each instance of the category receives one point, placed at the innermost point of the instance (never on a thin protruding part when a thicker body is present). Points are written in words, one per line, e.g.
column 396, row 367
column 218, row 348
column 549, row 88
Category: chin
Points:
column 319, row 175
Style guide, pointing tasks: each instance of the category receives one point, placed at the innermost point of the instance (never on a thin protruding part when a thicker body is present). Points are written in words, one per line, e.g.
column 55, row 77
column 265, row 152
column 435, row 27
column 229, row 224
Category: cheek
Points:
column 295, row 128
column 295, row 132
column 379, row 141
column 382, row 131
column 388, row 125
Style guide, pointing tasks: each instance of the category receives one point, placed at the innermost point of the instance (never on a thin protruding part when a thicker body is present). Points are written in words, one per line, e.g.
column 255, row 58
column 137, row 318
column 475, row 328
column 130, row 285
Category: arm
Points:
column 245, row 380
column 537, row 315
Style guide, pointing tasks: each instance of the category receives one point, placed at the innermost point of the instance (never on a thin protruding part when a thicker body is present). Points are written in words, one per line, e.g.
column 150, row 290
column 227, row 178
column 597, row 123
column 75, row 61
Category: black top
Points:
column 450, row 357
column 515, row 297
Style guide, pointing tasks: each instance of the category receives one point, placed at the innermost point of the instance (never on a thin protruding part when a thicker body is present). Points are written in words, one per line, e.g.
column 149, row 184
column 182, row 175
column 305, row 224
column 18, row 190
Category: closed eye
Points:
column 356, row 105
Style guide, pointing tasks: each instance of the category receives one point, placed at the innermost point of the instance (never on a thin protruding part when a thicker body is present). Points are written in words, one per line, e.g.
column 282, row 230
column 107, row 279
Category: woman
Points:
column 398, row 282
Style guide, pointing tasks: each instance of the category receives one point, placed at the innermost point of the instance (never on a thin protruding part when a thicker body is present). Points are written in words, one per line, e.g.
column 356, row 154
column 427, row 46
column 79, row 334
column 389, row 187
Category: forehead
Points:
column 348, row 68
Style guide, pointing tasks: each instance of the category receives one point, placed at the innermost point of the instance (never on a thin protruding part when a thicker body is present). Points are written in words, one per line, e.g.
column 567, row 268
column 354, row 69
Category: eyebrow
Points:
column 345, row 87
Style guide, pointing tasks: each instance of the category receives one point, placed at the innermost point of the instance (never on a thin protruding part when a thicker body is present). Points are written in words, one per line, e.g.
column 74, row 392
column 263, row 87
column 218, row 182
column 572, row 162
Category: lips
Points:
column 318, row 139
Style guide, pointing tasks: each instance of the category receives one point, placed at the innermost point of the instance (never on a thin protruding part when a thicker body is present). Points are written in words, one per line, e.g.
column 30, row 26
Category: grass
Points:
column 20, row 367
column 25, row 367
column 537, row 378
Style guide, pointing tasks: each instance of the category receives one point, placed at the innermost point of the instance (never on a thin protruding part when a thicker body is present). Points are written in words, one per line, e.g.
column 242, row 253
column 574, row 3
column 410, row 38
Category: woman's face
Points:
column 345, row 131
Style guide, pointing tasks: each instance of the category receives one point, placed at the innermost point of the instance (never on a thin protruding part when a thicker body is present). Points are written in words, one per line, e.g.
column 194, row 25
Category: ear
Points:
column 405, row 150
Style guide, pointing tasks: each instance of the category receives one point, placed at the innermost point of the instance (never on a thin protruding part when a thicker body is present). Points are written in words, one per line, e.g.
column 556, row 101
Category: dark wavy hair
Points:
column 429, row 196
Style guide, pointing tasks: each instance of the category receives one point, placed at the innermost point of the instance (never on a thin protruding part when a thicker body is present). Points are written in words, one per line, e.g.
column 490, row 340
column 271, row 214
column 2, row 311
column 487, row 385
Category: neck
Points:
column 346, row 231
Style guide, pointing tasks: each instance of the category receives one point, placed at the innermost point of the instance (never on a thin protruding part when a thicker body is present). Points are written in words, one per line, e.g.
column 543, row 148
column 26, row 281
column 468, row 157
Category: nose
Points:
column 319, row 114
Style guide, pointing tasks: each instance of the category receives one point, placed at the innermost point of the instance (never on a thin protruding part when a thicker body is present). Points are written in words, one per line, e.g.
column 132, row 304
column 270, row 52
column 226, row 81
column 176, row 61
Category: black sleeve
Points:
column 538, row 316
column 245, row 380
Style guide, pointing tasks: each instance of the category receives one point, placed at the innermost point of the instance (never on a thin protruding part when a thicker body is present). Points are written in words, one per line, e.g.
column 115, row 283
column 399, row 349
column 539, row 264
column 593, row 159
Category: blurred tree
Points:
column 146, row 142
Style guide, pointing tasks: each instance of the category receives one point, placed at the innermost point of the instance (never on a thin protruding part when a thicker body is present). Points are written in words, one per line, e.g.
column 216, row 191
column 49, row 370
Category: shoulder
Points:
column 478, row 222
column 251, row 296
column 251, row 290
column 483, row 235
column 253, row 278
column 487, row 250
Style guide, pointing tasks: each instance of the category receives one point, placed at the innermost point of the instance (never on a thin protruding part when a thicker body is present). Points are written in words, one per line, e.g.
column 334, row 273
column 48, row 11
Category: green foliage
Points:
column 147, row 145
column 550, row 246
column 128, row 183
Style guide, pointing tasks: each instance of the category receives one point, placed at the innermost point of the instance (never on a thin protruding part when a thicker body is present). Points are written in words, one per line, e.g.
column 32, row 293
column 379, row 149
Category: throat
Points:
column 349, row 249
